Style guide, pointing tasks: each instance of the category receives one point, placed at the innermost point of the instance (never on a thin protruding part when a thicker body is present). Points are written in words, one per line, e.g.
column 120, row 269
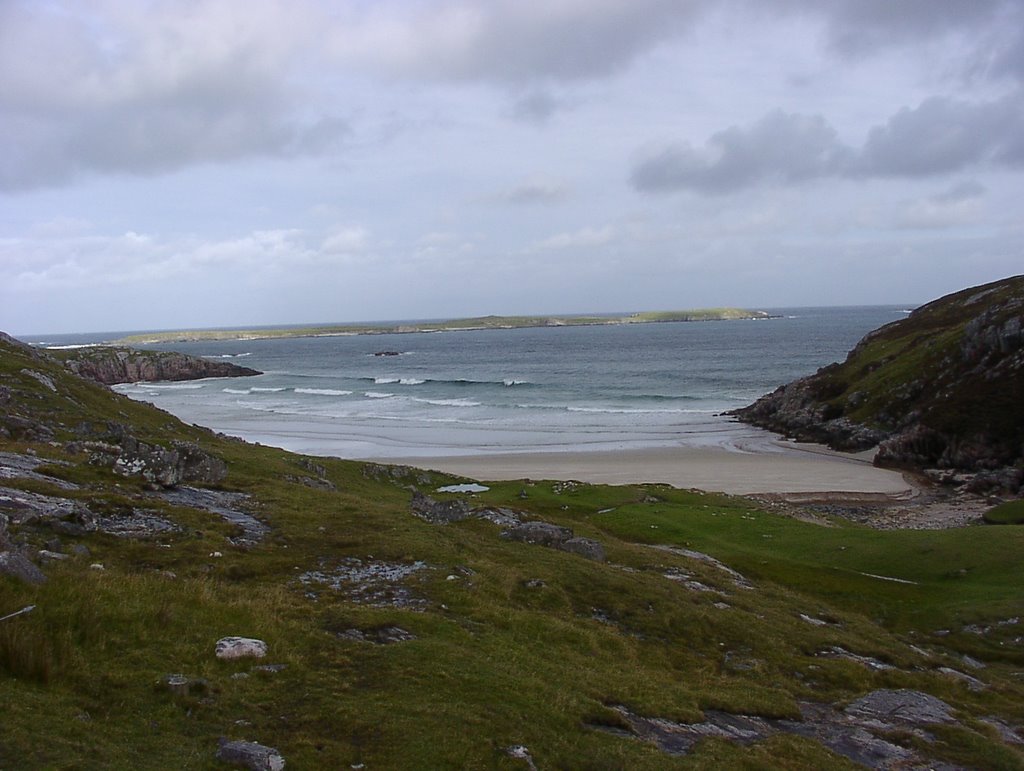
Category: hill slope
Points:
column 557, row 625
column 943, row 388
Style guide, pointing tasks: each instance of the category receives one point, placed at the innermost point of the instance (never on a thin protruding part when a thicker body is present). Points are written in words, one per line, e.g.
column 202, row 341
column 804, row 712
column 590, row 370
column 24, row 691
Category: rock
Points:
column 584, row 547
column 373, row 582
column 251, row 755
column 180, row 685
column 18, row 566
column 161, row 466
column 138, row 523
column 45, row 380
column 540, row 533
column 229, row 648
column 109, row 365
column 939, row 389
column 902, row 706
column 383, row 635
column 440, row 512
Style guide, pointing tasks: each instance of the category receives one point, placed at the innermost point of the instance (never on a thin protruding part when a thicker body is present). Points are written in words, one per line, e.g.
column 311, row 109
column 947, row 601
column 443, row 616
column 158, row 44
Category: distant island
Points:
column 451, row 325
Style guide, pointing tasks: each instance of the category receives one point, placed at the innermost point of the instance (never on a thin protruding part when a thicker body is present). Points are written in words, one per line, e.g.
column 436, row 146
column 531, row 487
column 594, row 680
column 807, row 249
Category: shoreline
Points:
column 807, row 472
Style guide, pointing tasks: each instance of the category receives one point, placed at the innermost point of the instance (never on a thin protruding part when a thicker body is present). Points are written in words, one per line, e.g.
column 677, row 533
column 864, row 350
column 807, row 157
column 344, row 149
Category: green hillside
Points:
column 405, row 631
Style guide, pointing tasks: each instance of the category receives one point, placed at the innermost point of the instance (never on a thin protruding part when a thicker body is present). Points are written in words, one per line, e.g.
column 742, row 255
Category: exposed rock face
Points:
column 18, row 566
column 126, row 365
column 939, row 389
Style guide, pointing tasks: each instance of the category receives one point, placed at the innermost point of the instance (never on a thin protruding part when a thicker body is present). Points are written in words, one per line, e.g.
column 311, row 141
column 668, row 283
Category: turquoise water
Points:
column 550, row 388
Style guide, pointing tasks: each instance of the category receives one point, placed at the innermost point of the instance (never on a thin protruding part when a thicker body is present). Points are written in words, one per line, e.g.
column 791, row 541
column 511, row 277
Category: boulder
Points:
column 18, row 566
column 541, row 533
column 229, row 648
column 440, row 512
column 585, row 547
column 257, row 757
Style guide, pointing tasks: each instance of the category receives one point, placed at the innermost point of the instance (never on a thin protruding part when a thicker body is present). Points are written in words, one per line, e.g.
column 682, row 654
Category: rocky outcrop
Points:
column 937, row 390
column 256, row 757
column 127, row 365
column 159, row 466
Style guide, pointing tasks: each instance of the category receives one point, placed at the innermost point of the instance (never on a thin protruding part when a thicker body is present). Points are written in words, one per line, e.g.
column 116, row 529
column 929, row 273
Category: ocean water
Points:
column 541, row 389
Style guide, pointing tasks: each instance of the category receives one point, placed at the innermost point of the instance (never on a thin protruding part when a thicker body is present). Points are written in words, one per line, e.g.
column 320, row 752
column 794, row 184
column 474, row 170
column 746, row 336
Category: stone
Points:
column 902, row 706
column 18, row 566
column 440, row 512
column 229, row 648
column 584, row 547
column 541, row 533
column 257, row 757
column 382, row 635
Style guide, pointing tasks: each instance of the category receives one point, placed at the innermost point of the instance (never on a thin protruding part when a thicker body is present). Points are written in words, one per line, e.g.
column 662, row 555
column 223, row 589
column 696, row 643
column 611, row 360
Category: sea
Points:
column 543, row 389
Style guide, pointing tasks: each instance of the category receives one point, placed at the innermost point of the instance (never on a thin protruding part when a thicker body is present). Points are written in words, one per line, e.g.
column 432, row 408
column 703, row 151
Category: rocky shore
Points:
column 939, row 392
column 111, row 365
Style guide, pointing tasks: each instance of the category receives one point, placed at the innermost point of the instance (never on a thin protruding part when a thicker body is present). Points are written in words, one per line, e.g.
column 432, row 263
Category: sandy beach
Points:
column 804, row 470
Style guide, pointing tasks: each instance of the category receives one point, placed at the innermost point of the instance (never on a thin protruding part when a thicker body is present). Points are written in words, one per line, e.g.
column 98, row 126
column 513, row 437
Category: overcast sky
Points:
column 188, row 164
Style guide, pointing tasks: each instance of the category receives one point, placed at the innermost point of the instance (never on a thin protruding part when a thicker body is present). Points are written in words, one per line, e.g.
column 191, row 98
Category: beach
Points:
column 806, row 471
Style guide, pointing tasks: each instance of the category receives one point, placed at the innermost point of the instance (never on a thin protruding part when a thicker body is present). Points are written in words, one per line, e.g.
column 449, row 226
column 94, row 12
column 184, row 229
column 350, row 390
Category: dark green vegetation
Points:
column 481, row 322
column 515, row 644
column 1008, row 513
column 943, row 388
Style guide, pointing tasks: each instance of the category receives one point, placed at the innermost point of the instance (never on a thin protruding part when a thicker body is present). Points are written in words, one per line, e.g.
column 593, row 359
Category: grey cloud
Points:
column 536, row 107
column 939, row 136
column 513, row 41
column 781, row 148
column 532, row 192
column 943, row 135
column 101, row 89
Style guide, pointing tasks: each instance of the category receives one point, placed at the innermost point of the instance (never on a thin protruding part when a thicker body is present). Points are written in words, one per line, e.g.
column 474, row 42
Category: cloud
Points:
column 943, row 135
column 586, row 237
column 535, row 191
column 510, row 41
column 145, row 89
column 939, row 136
column 780, row 148
column 958, row 206
column 536, row 107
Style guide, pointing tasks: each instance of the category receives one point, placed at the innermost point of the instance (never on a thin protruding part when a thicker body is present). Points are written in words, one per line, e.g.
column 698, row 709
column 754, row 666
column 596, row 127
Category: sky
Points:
column 169, row 164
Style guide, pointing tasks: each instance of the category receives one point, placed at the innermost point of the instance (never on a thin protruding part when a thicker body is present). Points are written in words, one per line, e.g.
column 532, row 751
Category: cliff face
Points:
column 941, row 389
column 126, row 365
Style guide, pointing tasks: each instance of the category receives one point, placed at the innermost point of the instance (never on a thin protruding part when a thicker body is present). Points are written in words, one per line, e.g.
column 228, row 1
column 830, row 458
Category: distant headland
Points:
column 450, row 325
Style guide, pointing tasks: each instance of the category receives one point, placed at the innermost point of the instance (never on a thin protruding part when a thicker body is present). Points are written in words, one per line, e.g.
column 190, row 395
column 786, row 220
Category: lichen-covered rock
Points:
column 228, row 648
column 584, row 547
column 440, row 512
column 901, row 706
column 541, row 533
column 251, row 755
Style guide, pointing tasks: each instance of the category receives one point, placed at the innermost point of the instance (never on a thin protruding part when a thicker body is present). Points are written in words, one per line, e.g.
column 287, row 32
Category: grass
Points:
column 1008, row 513
column 526, row 645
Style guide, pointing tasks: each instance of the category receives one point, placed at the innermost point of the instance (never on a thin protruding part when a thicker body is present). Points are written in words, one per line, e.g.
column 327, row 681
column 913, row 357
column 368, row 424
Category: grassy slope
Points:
column 496, row 662
column 915, row 364
column 480, row 322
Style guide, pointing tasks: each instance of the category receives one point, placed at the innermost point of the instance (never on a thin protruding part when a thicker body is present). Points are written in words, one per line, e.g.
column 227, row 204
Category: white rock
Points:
column 240, row 647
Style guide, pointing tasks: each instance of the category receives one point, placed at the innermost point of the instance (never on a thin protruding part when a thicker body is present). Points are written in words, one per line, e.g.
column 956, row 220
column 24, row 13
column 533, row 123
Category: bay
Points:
column 516, row 390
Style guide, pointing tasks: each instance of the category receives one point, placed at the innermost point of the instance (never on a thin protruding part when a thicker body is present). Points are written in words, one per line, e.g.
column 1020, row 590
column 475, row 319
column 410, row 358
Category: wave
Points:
column 239, row 391
column 227, row 355
column 322, row 392
column 259, row 389
column 49, row 347
column 377, row 395
column 448, row 402
column 509, row 382
column 398, row 380
column 640, row 411
column 175, row 386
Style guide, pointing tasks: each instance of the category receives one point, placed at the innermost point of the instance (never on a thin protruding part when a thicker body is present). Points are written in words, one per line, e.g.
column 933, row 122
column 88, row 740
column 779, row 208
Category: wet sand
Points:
column 789, row 468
